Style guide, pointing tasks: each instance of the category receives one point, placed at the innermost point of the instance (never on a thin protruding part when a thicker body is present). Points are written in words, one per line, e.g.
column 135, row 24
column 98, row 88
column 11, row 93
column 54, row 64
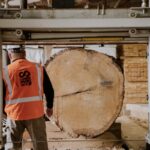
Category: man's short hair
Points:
column 16, row 48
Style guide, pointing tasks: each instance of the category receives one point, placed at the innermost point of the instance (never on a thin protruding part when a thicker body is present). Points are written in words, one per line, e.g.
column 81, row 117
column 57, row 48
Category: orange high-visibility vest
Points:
column 24, row 90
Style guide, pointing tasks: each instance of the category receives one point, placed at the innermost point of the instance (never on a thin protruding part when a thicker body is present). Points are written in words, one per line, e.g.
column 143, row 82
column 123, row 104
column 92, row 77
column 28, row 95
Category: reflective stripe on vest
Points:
column 7, row 79
column 23, row 100
column 39, row 79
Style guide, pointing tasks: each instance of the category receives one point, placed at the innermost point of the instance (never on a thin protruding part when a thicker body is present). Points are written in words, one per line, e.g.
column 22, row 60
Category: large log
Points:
column 88, row 91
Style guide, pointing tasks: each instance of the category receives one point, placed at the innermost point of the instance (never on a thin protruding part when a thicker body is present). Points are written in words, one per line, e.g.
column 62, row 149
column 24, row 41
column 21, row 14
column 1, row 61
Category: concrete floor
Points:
column 131, row 134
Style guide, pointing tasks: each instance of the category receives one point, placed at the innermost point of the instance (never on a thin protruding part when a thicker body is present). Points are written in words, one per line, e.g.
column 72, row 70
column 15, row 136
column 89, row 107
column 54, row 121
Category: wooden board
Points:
column 135, row 69
column 130, row 50
column 136, row 92
column 88, row 91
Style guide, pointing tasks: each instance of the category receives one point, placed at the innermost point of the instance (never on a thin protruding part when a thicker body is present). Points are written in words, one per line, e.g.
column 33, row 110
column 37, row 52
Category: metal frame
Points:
column 74, row 21
column 73, row 24
column 76, row 13
column 1, row 90
column 58, row 24
column 74, row 42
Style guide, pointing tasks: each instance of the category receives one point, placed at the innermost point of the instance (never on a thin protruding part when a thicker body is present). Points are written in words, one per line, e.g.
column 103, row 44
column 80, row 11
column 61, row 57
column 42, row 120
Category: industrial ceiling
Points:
column 76, row 3
column 62, row 21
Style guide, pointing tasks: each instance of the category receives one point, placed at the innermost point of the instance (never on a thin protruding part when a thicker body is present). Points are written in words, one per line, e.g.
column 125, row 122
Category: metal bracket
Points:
column 19, row 33
column 136, row 12
column 133, row 32
column 18, row 15
column 102, row 7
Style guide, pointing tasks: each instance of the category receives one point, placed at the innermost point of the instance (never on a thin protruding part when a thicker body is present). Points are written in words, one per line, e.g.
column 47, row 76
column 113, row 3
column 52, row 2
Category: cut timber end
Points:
column 88, row 91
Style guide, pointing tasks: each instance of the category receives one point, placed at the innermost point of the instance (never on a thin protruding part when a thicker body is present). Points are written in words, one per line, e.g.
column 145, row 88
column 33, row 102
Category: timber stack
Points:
column 135, row 72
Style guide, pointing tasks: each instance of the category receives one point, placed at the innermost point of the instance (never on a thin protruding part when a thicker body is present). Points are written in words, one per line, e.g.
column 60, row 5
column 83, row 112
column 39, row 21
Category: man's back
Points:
column 24, row 83
column 25, row 90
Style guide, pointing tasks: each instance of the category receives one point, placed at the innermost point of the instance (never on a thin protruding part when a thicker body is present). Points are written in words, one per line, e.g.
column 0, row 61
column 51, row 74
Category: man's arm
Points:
column 49, row 93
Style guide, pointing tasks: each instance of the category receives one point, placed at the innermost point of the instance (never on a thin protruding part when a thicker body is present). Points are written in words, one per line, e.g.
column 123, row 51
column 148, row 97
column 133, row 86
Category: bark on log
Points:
column 88, row 91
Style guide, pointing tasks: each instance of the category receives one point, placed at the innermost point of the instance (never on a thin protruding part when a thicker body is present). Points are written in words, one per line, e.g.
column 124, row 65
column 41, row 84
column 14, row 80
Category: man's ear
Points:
column 9, row 55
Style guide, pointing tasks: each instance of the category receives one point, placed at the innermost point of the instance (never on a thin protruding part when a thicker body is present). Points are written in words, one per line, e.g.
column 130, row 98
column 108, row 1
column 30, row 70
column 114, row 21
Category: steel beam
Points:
column 73, row 13
column 68, row 13
column 73, row 42
column 74, row 23
column 76, row 35
column 77, row 13
column 61, row 35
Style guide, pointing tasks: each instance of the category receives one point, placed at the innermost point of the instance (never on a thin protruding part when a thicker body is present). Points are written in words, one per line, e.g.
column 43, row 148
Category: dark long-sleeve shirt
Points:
column 47, row 87
column 48, row 90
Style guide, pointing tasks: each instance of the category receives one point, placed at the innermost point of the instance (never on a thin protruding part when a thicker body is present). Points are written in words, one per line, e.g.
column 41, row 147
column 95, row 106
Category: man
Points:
column 24, row 85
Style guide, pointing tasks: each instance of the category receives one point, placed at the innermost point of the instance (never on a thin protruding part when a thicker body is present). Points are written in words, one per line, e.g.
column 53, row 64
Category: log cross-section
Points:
column 88, row 89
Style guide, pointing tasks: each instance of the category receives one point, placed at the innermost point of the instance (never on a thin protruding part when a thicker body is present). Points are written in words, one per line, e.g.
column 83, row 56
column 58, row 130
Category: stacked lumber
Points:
column 130, row 50
column 136, row 92
column 135, row 73
column 135, row 69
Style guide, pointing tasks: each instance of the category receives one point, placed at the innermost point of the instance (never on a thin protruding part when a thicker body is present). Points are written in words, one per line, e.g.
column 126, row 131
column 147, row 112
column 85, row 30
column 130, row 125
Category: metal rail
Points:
column 1, row 90
column 73, row 24
column 40, row 42
column 10, row 9
column 82, row 140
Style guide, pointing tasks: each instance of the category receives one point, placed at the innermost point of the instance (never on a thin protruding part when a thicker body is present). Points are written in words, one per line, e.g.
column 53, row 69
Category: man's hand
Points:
column 49, row 112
